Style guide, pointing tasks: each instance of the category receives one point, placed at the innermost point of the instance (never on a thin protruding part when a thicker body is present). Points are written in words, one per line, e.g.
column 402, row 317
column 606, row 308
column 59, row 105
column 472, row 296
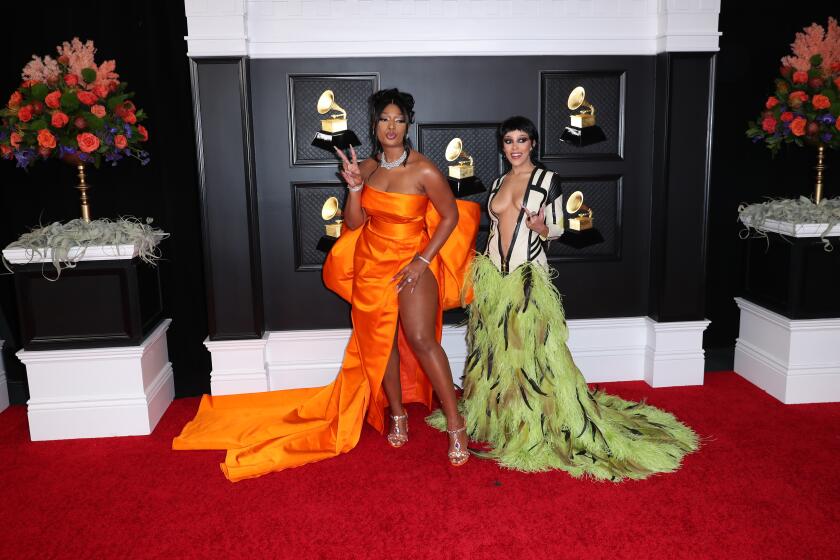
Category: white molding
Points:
column 795, row 360
column 614, row 349
column 365, row 28
column 4, row 387
column 238, row 366
column 793, row 229
column 75, row 254
column 99, row 392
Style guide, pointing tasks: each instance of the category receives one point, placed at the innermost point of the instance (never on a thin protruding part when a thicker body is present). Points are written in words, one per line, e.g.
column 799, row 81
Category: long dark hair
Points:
column 527, row 126
column 381, row 99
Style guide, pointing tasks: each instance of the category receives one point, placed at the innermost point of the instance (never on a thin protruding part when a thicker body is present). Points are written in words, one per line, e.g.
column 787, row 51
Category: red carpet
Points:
column 764, row 485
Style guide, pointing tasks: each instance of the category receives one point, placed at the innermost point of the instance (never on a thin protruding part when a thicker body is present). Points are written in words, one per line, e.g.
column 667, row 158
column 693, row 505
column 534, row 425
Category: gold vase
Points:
column 818, row 187
column 83, row 186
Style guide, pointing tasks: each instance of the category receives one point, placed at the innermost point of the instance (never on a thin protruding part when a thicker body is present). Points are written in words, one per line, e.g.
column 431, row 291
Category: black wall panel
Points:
column 455, row 90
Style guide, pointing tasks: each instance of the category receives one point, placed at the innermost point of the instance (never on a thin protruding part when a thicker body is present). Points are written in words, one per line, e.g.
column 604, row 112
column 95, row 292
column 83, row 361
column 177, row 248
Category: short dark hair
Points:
column 381, row 99
column 524, row 124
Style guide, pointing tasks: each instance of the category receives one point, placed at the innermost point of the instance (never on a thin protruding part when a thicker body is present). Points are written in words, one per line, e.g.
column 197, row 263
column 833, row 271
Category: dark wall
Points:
column 455, row 90
column 752, row 44
column 146, row 40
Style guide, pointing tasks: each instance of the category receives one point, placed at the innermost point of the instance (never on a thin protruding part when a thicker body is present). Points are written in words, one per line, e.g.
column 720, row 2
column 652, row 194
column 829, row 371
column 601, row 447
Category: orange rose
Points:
column 5, row 151
column 821, row 102
column 800, row 77
column 86, row 97
column 53, row 99
column 771, row 102
column 769, row 125
column 145, row 134
column 46, row 139
column 71, row 80
column 798, row 126
column 837, row 82
column 87, row 142
column 15, row 99
column 59, row 119
column 15, row 139
column 25, row 113
column 100, row 91
column 130, row 118
column 98, row 110
column 787, row 116
column 120, row 141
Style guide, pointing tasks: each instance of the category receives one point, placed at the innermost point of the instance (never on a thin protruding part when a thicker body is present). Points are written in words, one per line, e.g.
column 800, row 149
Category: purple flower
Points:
column 826, row 137
column 24, row 157
column 827, row 118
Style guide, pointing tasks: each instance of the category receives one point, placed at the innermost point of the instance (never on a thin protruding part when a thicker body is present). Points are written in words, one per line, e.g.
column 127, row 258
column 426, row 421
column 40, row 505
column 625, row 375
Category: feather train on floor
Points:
column 525, row 397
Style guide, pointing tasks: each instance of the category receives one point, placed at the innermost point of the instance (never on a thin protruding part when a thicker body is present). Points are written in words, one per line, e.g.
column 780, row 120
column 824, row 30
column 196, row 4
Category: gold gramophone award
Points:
column 462, row 179
column 334, row 132
column 331, row 210
column 583, row 131
column 583, row 220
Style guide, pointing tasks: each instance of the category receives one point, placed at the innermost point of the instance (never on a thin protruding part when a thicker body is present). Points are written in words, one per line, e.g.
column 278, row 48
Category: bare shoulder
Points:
column 423, row 165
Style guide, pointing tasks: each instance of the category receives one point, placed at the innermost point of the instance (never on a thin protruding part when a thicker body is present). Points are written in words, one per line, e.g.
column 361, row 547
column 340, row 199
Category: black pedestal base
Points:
column 95, row 304
column 466, row 187
column 581, row 239
column 331, row 140
column 582, row 136
column 794, row 277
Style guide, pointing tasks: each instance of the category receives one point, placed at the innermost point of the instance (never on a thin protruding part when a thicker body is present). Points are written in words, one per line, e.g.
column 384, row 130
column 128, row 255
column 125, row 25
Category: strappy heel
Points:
column 458, row 454
column 398, row 436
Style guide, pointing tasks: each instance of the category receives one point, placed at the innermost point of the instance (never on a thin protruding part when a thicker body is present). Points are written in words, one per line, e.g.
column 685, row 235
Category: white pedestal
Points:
column 4, row 388
column 674, row 354
column 99, row 392
column 796, row 361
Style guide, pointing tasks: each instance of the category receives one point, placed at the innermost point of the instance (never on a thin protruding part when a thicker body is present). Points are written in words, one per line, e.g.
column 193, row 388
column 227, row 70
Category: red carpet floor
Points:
column 764, row 485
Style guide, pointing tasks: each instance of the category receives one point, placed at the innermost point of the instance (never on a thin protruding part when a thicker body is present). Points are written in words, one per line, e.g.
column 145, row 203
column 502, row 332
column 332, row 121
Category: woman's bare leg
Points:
column 391, row 381
column 418, row 312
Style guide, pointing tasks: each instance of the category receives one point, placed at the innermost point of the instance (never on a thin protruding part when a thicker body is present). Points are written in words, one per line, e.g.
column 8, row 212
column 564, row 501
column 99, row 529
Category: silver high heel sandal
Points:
column 458, row 455
column 398, row 436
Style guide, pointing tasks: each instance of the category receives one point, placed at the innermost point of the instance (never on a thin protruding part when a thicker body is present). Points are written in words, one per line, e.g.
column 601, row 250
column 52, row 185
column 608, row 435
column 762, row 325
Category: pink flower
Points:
column 771, row 102
column 98, row 110
column 821, row 102
column 101, row 91
column 59, row 119
column 87, row 142
column 53, row 99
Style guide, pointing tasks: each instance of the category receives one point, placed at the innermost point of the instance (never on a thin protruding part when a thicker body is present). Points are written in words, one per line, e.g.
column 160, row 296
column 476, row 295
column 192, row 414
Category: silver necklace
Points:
column 392, row 164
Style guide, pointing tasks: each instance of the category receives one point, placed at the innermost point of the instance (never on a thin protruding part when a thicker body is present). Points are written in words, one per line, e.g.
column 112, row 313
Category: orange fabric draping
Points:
column 266, row 432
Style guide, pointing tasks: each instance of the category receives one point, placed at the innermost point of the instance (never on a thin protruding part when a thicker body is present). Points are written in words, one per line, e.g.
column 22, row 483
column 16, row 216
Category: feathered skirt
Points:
column 525, row 398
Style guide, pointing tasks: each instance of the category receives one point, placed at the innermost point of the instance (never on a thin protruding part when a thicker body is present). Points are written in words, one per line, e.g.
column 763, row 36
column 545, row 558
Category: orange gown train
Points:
column 266, row 432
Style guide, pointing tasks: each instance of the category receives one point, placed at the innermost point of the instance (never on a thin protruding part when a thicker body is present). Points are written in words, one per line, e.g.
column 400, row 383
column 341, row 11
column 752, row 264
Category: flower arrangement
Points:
column 72, row 109
column 805, row 105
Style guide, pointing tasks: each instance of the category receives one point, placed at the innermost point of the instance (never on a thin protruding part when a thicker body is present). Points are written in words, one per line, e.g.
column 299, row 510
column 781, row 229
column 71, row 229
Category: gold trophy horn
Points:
column 575, row 204
column 586, row 116
column 331, row 210
column 455, row 151
column 336, row 121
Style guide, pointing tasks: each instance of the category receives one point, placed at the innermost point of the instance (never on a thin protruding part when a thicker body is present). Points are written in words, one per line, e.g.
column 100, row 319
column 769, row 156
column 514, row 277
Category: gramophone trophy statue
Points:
column 583, row 220
column 334, row 132
column 462, row 179
column 583, row 130
column 331, row 209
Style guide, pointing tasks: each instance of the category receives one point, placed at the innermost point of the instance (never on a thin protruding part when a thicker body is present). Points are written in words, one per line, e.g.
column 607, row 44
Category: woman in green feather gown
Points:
column 524, row 397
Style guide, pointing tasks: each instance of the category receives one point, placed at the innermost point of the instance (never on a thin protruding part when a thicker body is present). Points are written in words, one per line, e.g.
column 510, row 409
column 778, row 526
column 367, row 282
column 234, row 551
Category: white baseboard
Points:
column 4, row 387
column 99, row 392
column 616, row 349
column 795, row 360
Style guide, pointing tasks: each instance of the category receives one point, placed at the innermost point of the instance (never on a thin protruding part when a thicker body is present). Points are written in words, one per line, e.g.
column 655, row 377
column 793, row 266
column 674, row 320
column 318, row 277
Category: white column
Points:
column 674, row 354
column 99, row 392
column 795, row 360
column 238, row 366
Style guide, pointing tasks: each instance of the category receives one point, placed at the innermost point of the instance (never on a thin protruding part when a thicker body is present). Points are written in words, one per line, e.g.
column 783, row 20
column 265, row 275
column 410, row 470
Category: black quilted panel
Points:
column 479, row 141
column 603, row 195
column 309, row 227
column 351, row 93
column 605, row 90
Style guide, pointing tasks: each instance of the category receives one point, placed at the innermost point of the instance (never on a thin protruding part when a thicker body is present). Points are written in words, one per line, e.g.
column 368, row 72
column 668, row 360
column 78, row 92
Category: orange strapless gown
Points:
column 265, row 432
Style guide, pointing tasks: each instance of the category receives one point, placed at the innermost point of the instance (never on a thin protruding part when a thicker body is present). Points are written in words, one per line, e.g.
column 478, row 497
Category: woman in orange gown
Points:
column 400, row 262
